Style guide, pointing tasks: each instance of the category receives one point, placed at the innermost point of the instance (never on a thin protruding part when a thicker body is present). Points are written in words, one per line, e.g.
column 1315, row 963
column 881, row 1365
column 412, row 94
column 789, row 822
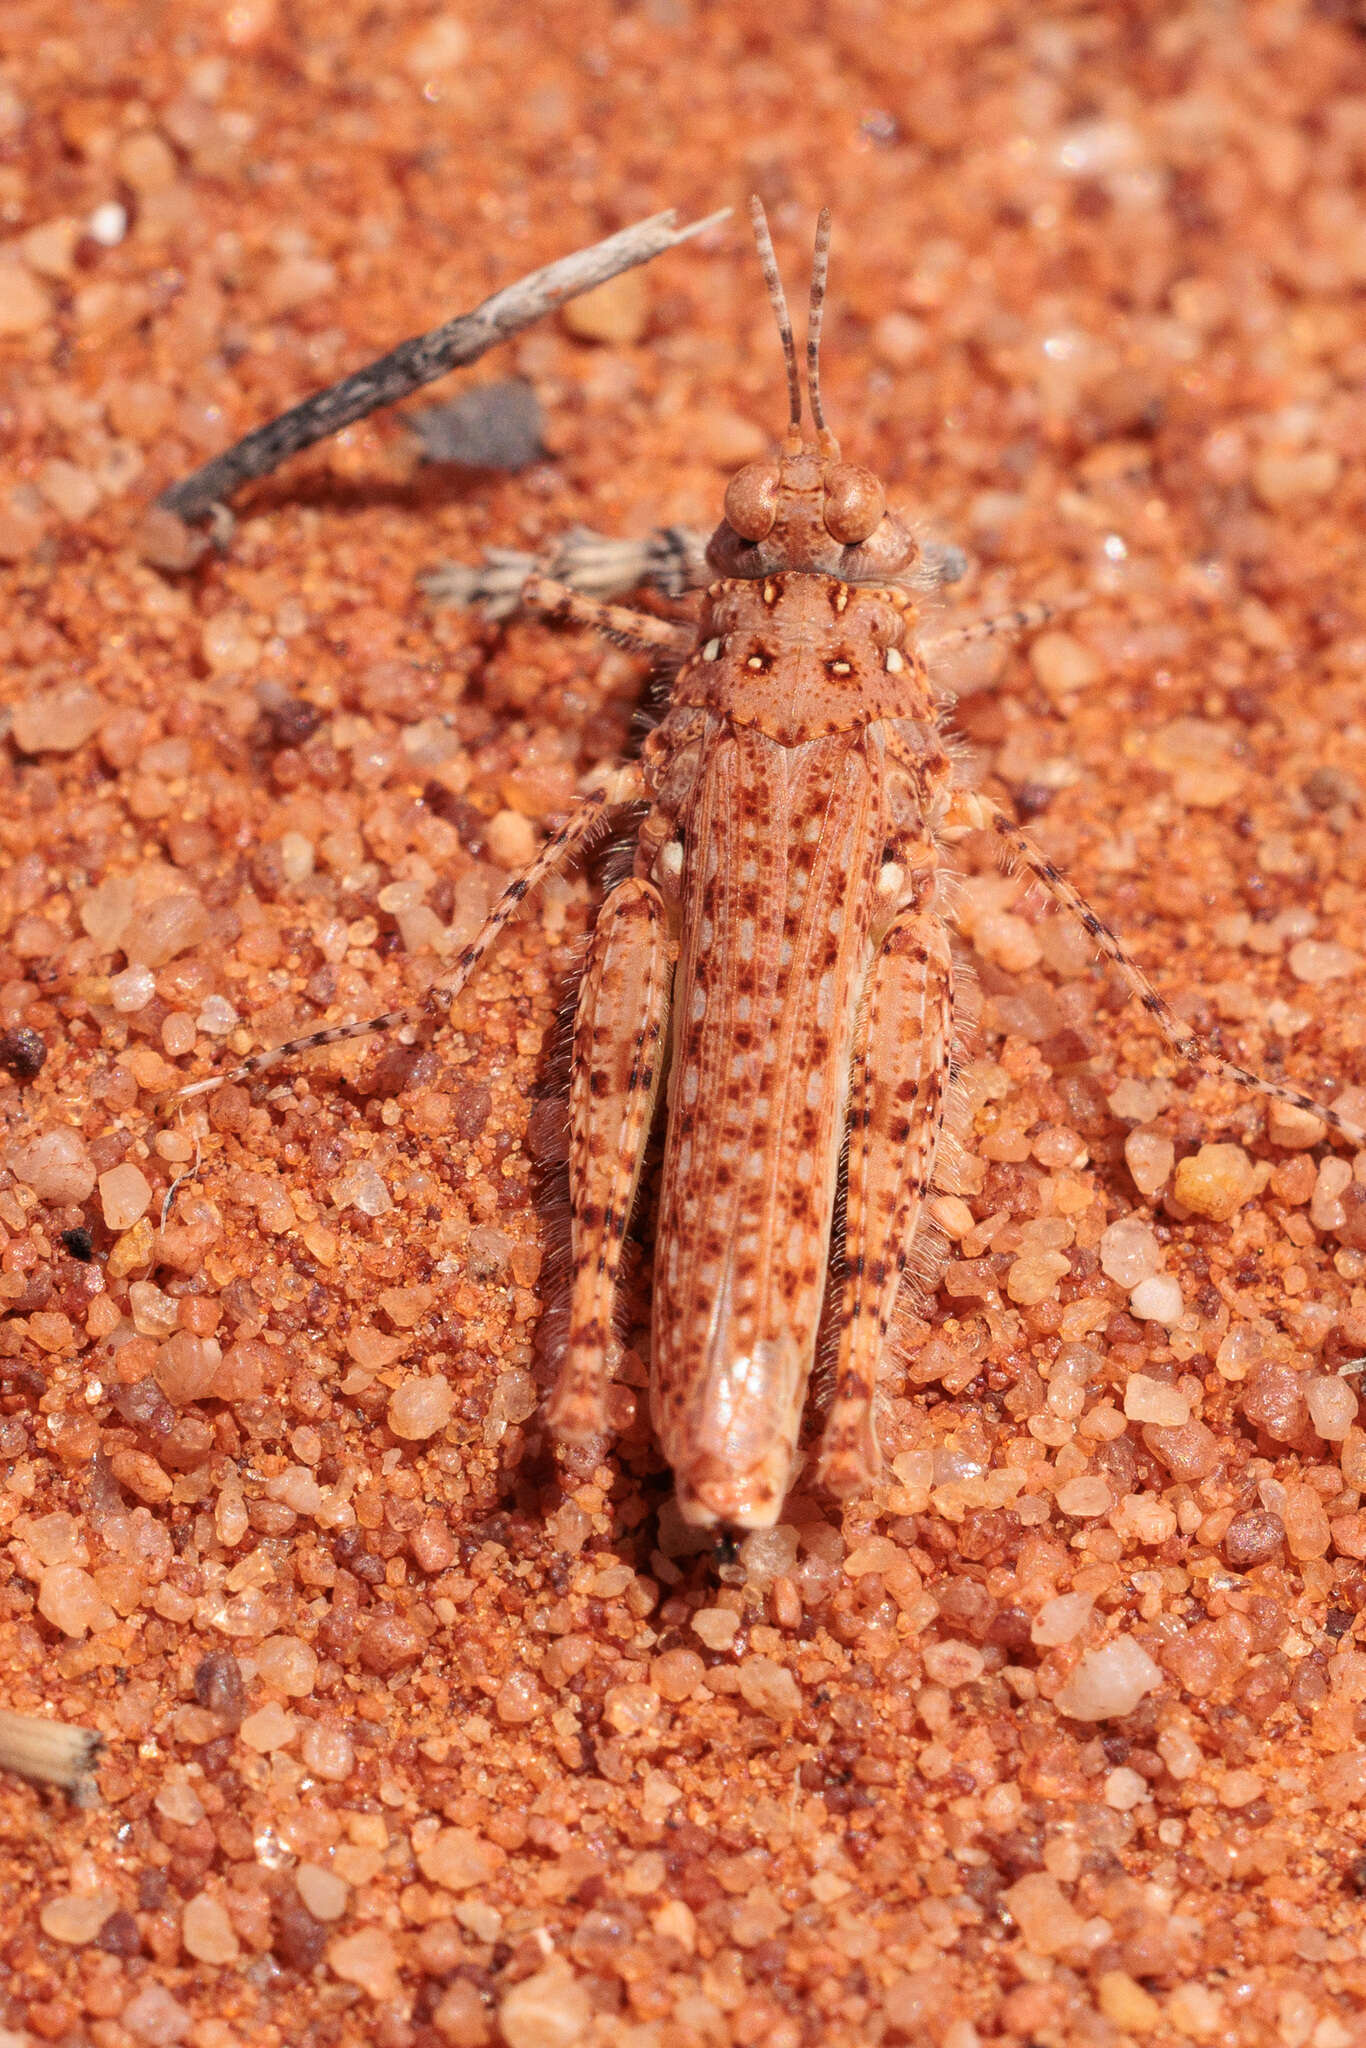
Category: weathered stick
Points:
column 424, row 358
column 49, row 1752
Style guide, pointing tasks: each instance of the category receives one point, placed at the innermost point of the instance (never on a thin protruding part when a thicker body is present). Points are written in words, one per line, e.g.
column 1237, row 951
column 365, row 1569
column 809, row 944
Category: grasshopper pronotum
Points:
column 778, row 962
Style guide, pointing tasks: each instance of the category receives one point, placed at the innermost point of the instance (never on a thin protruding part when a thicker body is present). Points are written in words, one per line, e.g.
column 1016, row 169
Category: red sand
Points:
column 407, row 1742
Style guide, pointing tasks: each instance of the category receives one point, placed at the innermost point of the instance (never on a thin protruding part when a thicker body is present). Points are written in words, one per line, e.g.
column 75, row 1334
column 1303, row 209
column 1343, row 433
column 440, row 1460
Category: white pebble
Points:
column 132, row 990
column 1149, row 1157
column 1280, row 476
column 75, row 1918
column 124, row 1196
column 1129, row 1252
column 1154, row 1401
column 324, row 1893
column 420, row 1407
column 1157, row 1300
column 716, row 1626
column 55, row 1165
column 56, row 721
column 1124, row 1789
column 1332, row 1406
column 1315, row 960
column 296, row 856
column 549, row 2010
column 1086, row 1496
column 71, row 491
column 1109, row 1682
column 1063, row 664
column 108, row 224
column 207, row 1932
column 360, row 1187
column 217, row 1017
column 1060, row 1619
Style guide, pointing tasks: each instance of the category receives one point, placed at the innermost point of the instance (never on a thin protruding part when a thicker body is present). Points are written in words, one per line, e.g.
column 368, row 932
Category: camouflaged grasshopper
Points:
column 778, row 962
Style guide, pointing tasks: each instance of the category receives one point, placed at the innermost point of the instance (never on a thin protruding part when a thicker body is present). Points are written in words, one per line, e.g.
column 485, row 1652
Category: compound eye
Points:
column 751, row 505
column 854, row 504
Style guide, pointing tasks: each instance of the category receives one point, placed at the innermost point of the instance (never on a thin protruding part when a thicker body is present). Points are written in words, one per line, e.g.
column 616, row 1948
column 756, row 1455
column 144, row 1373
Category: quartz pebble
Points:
column 269, row 1728
column 1060, row 1619
column 420, row 1407
column 124, row 1196
column 166, row 928
column 325, row 1895
column 1124, row 2002
column 1129, row 1251
column 25, row 305
column 1150, row 1400
column 614, row 312
column 1150, row 1158
column 179, row 1802
column 75, row 1918
column 676, row 1674
column 1108, row 1683
column 1316, row 960
column 1086, row 1497
column 359, row 1186
column 207, row 1932
column 56, row 721
column 288, row 1664
column 1063, row 664
column 511, row 839
column 548, row 2010
column 328, row 1752
column 1307, row 1534
column 1293, row 1129
column 70, row 1599
column 1034, row 1276
column 1125, row 1789
column 1046, row 1919
column 1216, row 1181
column 716, row 1626
column 1157, row 1300
column 1332, row 1405
column 769, row 1688
column 952, row 1663
column 367, row 1959
column 155, row 2019
column 1283, row 476
column 72, row 492
column 56, row 1165
column 457, row 1859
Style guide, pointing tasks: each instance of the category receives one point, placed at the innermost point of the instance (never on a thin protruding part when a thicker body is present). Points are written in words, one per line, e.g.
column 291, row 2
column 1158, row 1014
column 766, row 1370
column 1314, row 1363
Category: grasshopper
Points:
column 777, row 964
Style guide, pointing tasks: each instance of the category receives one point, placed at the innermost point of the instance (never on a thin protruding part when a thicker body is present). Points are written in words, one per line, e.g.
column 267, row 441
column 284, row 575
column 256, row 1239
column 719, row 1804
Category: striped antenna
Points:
column 820, row 267
column 778, row 300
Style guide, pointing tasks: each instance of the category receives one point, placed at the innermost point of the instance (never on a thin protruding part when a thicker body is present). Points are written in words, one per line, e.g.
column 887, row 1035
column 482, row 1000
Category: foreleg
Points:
column 1025, row 618
column 619, row 1037
column 637, row 632
column 671, row 560
column 896, row 1118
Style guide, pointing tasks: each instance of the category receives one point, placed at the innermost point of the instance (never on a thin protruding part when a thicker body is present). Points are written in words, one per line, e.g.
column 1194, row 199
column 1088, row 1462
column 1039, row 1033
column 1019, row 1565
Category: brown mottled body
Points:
column 805, row 833
column 779, row 961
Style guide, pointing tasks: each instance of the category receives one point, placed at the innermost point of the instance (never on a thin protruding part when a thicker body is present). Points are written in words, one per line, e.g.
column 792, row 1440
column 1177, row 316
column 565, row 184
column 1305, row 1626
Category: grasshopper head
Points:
column 809, row 511
column 806, row 510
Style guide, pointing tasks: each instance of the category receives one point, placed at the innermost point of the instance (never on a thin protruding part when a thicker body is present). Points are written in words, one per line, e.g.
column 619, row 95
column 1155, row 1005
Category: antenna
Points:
column 777, row 299
column 820, row 265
